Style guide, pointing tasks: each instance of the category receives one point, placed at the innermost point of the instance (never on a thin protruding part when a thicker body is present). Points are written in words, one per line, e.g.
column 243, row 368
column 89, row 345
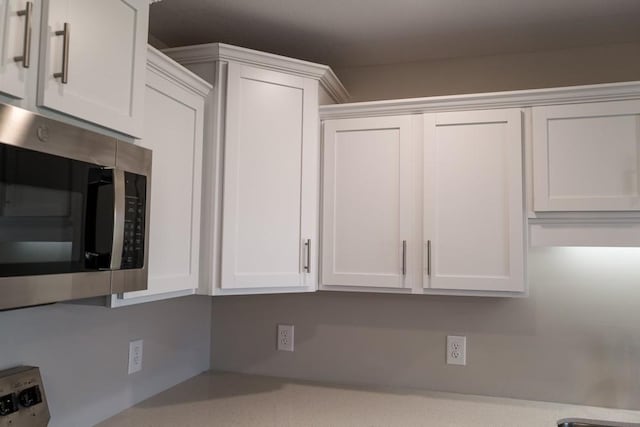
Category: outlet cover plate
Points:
column 285, row 337
column 135, row 356
column 456, row 350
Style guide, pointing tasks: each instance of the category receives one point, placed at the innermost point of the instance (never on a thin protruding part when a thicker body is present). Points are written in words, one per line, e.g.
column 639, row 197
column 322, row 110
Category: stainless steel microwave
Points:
column 74, row 212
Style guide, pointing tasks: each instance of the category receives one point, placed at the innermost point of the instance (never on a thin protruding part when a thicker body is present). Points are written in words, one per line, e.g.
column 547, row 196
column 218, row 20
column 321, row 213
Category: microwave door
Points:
column 54, row 236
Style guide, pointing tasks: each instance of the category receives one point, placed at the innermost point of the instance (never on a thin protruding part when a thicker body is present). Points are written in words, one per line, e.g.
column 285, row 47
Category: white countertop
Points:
column 226, row 399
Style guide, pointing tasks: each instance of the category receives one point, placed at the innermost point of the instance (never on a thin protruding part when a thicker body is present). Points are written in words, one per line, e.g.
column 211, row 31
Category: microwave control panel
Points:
column 134, row 221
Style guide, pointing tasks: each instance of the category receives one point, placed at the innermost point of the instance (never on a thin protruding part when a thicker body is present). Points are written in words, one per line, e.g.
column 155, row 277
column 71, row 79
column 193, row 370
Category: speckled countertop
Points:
column 226, row 399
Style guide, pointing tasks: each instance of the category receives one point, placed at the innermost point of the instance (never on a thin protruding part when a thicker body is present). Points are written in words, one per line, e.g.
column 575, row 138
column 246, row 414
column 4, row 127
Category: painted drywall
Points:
column 82, row 352
column 576, row 339
column 589, row 65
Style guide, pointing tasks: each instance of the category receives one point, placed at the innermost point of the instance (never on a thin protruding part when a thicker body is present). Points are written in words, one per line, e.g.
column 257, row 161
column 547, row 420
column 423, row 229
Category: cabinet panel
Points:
column 473, row 204
column 13, row 22
column 366, row 213
column 174, row 124
column 271, row 180
column 587, row 157
column 106, row 60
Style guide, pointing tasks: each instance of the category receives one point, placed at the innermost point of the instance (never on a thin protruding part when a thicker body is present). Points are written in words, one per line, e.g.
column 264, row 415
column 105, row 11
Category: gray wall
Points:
column 575, row 339
column 589, row 65
column 83, row 352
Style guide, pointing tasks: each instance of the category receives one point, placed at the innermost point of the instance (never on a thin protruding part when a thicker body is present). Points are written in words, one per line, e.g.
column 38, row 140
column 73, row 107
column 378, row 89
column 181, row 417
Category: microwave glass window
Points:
column 48, row 214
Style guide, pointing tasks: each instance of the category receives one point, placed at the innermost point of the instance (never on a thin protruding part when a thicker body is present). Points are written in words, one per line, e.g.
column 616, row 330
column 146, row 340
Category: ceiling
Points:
column 347, row 33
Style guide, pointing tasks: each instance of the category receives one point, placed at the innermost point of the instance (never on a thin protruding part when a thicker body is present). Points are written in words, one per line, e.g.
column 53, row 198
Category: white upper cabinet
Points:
column 173, row 130
column 16, row 46
column 586, row 157
column 261, row 186
column 368, row 202
column 92, row 61
column 473, row 201
column 271, row 173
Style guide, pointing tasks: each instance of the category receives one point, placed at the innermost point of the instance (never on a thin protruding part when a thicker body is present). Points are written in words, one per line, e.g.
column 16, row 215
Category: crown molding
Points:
column 212, row 52
column 161, row 64
column 507, row 99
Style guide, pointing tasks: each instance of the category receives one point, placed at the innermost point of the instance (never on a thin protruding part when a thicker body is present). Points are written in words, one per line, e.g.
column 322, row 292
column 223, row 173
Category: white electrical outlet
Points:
column 135, row 356
column 456, row 350
column 285, row 337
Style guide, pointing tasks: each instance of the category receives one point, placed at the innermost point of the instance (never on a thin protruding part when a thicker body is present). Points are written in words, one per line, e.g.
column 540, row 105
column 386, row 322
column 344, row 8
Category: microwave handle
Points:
column 118, row 218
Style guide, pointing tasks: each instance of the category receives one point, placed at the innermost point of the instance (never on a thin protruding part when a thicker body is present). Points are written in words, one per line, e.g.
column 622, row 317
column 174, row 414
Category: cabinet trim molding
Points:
column 167, row 68
column 481, row 101
column 223, row 52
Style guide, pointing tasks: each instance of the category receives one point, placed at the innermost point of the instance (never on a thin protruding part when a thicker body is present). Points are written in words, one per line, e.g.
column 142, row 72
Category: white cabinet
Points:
column 92, row 61
column 174, row 125
column 473, row 201
column 368, row 203
column 586, row 157
column 261, row 173
column 16, row 46
column 271, row 167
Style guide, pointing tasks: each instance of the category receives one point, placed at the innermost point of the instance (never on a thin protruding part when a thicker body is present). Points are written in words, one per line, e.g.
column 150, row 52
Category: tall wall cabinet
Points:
column 262, row 169
column 173, row 130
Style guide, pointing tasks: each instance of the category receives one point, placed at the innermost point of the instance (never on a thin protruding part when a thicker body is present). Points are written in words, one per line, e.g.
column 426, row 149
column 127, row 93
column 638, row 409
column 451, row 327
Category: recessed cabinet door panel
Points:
column 271, row 183
column 366, row 216
column 106, row 61
column 173, row 131
column 13, row 19
column 587, row 157
column 473, row 204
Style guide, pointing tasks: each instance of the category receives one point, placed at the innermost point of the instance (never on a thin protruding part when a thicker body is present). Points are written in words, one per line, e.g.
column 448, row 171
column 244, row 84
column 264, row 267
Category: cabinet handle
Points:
column 307, row 266
column 64, row 74
column 404, row 257
column 25, row 58
column 429, row 258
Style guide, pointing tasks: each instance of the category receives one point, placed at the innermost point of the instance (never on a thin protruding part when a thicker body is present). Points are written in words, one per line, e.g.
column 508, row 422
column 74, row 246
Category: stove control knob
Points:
column 30, row 396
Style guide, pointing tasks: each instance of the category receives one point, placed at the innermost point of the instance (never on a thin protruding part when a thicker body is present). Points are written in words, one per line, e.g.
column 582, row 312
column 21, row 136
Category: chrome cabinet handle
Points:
column 25, row 58
column 307, row 266
column 429, row 258
column 64, row 74
column 404, row 257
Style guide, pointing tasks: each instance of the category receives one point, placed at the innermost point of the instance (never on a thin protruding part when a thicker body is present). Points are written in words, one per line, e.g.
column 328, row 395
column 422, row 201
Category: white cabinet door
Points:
column 174, row 124
column 367, row 212
column 586, row 157
column 271, row 166
column 15, row 25
column 473, row 201
column 107, row 42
